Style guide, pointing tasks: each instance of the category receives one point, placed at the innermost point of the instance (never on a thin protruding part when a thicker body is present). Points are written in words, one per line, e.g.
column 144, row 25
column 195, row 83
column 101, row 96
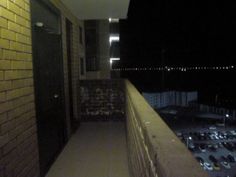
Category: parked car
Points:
column 231, row 158
column 212, row 128
column 212, row 137
column 216, row 166
column 200, row 160
column 223, row 158
column 207, row 166
column 232, row 145
column 213, row 159
column 216, row 146
column 221, row 136
column 202, row 147
column 220, row 145
column 192, row 147
column 233, row 132
column 229, row 145
column 225, row 164
column 211, row 147
column 217, row 137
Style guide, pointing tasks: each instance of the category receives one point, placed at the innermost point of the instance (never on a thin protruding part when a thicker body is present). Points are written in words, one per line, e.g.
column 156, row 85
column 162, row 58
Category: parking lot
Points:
column 211, row 142
column 213, row 147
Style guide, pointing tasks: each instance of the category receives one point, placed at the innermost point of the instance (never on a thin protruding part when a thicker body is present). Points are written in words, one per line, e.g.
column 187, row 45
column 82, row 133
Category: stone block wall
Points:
column 102, row 100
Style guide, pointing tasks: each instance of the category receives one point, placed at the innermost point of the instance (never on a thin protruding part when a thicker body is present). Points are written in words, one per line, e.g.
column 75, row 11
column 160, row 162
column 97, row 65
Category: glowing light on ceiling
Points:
column 114, row 59
column 114, row 38
column 113, row 20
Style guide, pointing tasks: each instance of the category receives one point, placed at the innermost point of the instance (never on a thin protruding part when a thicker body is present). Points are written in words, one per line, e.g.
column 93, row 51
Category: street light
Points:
column 188, row 139
column 226, row 116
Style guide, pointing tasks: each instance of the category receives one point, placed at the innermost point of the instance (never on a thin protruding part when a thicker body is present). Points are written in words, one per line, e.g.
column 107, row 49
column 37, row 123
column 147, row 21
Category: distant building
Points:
column 170, row 98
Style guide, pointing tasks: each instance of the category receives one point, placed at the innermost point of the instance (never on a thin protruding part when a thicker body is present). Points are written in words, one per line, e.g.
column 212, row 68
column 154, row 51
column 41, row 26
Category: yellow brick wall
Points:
column 18, row 138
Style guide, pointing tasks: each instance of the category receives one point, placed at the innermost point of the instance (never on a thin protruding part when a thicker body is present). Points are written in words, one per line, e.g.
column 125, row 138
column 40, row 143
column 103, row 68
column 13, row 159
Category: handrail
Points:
column 153, row 149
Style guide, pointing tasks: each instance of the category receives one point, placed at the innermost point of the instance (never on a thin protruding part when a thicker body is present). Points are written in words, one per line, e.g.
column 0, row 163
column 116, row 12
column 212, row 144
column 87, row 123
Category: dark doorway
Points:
column 69, row 66
column 49, row 82
column 49, row 97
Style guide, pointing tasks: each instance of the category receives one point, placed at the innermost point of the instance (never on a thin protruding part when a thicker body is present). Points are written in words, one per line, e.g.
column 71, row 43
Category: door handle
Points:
column 56, row 96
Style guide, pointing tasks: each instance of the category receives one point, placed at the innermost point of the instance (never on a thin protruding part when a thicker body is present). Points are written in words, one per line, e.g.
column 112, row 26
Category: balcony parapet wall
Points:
column 153, row 149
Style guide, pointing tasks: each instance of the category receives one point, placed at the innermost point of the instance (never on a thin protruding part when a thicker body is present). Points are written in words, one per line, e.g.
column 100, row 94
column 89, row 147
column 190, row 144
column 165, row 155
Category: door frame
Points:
column 48, row 5
column 52, row 9
column 69, row 48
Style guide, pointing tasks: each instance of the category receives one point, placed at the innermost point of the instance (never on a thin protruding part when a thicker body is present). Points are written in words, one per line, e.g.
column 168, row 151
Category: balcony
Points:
column 121, row 135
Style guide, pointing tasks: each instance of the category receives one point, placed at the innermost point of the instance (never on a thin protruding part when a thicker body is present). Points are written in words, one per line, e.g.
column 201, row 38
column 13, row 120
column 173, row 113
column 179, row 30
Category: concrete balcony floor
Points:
column 97, row 149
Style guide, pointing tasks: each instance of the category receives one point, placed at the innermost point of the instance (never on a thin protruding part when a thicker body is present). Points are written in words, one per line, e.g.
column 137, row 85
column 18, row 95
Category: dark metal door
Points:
column 49, row 98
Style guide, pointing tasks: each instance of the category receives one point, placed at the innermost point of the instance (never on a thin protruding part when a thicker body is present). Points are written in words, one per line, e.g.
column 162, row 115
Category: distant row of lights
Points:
column 166, row 68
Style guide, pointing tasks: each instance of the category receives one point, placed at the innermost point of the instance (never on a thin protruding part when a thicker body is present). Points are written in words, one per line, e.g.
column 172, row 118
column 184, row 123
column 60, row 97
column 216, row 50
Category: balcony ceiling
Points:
column 98, row 9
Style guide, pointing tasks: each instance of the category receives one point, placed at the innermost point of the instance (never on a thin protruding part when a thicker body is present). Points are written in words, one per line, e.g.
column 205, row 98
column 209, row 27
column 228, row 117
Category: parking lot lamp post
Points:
column 225, row 117
column 188, row 139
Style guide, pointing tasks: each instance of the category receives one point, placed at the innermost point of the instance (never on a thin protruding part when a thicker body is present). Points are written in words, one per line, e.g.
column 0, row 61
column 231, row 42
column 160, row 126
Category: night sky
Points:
column 175, row 33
